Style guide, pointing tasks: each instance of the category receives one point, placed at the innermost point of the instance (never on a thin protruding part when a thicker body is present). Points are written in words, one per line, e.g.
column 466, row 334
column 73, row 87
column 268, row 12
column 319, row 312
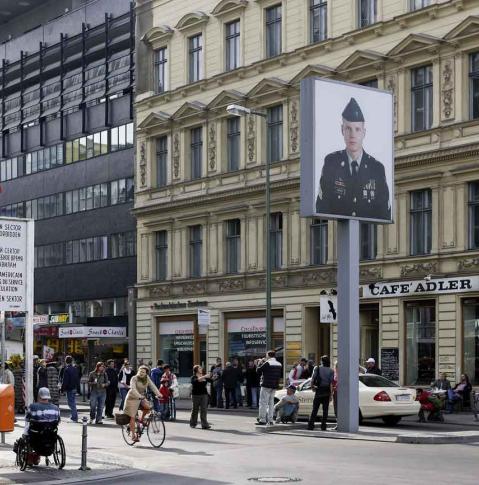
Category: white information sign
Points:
column 13, row 265
column 328, row 308
column 204, row 317
column 91, row 332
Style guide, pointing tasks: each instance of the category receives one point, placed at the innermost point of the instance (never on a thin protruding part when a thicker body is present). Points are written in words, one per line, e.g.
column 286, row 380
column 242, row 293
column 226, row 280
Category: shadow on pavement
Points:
column 189, row 439
column 178, row 451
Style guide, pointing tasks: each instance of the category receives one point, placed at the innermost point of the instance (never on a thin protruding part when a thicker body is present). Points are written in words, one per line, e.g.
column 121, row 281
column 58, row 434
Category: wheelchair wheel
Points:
column 59, row 455
column 128, row 434
column 22, row 455
column 156, row 430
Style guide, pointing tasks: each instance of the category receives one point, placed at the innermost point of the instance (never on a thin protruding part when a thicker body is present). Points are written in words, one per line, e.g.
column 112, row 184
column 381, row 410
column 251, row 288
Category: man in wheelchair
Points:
column 39, row 436
column 287, row 408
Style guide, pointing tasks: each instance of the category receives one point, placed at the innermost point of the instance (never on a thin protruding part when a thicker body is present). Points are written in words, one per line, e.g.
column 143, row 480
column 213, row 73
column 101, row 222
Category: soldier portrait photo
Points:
column 353, row 182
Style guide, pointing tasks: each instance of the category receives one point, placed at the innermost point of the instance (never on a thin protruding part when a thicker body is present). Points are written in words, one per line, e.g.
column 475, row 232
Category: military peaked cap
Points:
column 353, row 112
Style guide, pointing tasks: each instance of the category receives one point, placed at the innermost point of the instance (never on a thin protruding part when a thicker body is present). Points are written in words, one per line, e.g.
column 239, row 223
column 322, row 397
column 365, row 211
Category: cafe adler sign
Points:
column 420, row 287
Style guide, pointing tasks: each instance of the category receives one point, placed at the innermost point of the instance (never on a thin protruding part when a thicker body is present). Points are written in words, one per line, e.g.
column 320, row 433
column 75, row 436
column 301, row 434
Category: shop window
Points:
column 233, row 240
column 421, row 98
column 318, row 14
column 474, row 85
column 276, row 240
column 420, row 222
column 196, row 245
column 273, row 31
column 319, row 241
column 368, row 241
column 247, row 338
column 420, row 343
column 471, row 340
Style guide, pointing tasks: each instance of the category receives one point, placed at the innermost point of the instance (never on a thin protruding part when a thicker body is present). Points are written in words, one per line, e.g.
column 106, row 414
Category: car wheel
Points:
column 391, row 420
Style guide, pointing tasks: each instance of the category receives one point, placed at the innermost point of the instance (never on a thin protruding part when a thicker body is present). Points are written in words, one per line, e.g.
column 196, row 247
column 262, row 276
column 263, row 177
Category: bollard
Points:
column 3, row 438
column 84, row 435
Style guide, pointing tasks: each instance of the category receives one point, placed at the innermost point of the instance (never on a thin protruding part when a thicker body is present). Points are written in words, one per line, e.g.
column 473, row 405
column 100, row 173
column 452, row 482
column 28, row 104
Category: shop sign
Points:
column 328, row 309
column 204, row 317
column 171, row 305
column 59, row 318
column 420, row 287
column 45, row 331
column 91, row 332
column 39, row 319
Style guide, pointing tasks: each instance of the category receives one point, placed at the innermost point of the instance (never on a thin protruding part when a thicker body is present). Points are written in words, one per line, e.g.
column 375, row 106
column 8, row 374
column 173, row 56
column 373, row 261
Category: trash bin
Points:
column 7, row 408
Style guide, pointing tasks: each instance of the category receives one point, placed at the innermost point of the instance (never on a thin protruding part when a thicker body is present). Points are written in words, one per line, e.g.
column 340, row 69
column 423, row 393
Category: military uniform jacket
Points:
column 365, row 194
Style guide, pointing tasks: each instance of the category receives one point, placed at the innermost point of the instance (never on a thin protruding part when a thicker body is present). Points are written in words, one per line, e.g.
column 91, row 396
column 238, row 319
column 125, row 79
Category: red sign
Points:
column 45, row 331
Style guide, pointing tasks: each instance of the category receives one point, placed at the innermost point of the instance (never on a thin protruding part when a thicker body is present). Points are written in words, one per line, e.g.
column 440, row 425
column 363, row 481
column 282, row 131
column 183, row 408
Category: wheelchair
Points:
column 42, row 440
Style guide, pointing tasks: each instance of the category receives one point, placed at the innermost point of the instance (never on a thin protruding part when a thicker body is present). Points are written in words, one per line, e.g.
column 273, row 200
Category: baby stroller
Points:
column 42, row 440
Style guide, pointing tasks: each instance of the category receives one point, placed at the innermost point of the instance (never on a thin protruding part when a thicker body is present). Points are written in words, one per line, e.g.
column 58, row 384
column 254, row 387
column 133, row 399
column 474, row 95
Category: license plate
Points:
column 403, row 397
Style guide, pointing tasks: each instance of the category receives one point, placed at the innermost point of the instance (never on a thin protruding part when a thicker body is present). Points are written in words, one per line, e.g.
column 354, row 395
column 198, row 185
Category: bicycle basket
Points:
column 122, row 419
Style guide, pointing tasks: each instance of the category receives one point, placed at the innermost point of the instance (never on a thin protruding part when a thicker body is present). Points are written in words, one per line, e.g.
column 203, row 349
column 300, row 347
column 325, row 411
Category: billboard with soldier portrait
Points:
column 347, row 161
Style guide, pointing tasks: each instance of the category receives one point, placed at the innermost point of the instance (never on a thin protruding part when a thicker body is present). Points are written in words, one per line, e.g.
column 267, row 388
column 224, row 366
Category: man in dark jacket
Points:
column 111, row 389
column 230, row 378
column 372, row 368
column 69, row 386
column 271, row 372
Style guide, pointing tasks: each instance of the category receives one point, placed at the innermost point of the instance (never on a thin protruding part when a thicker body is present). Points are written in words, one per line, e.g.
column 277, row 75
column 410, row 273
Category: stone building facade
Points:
column 200, row 199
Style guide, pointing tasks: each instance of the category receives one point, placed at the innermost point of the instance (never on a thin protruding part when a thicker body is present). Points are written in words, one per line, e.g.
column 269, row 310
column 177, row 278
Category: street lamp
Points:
column 238, row 110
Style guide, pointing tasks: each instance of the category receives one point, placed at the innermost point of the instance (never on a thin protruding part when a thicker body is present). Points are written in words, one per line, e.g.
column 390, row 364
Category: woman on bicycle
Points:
column 136, row 399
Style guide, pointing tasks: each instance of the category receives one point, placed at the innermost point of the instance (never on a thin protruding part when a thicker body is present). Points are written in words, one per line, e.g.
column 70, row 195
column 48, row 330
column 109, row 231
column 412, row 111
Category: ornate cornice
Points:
column 418, row 269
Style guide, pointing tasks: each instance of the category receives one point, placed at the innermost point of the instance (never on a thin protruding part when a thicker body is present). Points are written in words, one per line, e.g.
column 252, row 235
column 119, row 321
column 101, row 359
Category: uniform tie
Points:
column 354, row 166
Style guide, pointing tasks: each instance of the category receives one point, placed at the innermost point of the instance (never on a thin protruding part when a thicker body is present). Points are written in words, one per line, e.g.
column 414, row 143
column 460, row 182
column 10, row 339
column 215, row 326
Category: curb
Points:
column 91, row 478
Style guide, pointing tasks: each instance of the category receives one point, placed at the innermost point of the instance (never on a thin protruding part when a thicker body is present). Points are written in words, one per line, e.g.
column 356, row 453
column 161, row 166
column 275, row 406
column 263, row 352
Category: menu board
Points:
column 390, row 363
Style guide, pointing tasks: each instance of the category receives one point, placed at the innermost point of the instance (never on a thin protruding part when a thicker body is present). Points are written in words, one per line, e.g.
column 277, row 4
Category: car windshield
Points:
column 372, row 380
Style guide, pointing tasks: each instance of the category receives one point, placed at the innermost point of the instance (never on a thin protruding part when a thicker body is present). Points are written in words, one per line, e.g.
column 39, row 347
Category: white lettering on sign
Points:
column 91, row 332
column 13, row 258
column 420, row 287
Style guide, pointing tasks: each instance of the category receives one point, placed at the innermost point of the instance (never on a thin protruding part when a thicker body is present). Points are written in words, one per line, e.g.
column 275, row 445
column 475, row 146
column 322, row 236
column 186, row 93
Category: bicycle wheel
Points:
column 128, row 434
column 156, row 430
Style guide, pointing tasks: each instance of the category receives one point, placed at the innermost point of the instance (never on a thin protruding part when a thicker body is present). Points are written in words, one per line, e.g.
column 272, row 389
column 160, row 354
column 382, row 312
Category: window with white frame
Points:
column 196, row 150
column 160, row 73
column 232, row 44
column 162, row 161
column 318, row 14
column 196, row 244
column 319, row 241
column 161, row 255
column 420, row 214
column 276, row 240
column 368, row 241
column 233, row 248
column 474, row 85
column 195, row 58
column 233, row 137
column 421, row 98
column 367, row 12
column 273, row 31
column 418, row 4
column 274, row 122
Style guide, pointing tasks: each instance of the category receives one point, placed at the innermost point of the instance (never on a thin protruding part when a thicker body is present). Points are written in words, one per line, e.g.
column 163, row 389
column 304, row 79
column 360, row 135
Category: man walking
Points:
column 111, row 390
column 69, row 386
column 270, row 371
column 322, row 384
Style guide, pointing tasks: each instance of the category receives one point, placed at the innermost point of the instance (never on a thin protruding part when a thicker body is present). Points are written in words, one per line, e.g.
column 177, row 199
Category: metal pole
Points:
column 348, row 325
column 84, row 437
column 4, row 350
column 268, row 258
column 29, row 315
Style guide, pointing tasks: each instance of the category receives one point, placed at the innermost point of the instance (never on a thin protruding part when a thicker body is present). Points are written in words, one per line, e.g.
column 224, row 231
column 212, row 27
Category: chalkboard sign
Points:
column 390, row 363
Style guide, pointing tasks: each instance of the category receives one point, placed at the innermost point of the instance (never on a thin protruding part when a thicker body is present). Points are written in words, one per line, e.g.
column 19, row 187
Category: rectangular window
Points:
column 473, row 203
column 319, row 241
column 274, row 150
column 420, row 343
column 421, row 98
column 232, row 45
column 196, row 152
column 471, row 339
column 418, row 4
column 233, row 239
column 161, row 61
column 368, row 241
column 161, row 161
column 420, row 222
column 367, row 12
column 474, row 85
column 196, row 244
column 276, row 240
column 114, row 192
column 273, row 31
column 161, row 255
column 318, row 14
column 195, row 58
column 233, row 137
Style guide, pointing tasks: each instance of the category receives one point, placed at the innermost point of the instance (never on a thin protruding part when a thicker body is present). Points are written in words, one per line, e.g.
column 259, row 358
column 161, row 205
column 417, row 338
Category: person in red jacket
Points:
column 429, row 403
column 165, row 395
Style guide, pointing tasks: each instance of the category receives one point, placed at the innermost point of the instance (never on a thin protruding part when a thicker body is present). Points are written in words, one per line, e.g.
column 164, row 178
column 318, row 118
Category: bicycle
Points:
column 155, row 430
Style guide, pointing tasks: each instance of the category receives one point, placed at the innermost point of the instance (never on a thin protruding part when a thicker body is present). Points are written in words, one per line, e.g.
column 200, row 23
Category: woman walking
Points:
column 136, row 398
column 199, row 396
column 124, row 378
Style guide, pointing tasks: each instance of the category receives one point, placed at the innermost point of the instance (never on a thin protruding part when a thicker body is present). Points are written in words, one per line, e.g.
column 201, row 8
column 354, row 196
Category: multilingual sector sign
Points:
column 13, row 265
column 347, row 143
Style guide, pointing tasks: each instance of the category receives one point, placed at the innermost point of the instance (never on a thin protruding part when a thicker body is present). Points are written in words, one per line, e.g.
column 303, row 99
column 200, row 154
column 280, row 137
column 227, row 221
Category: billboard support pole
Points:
column 29, row 315
column 4, row 350
column 348, row 325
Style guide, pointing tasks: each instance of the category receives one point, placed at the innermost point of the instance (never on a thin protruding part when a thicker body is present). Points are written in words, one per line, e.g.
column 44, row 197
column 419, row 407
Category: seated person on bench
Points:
column 287, row 408
column 42, row 412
